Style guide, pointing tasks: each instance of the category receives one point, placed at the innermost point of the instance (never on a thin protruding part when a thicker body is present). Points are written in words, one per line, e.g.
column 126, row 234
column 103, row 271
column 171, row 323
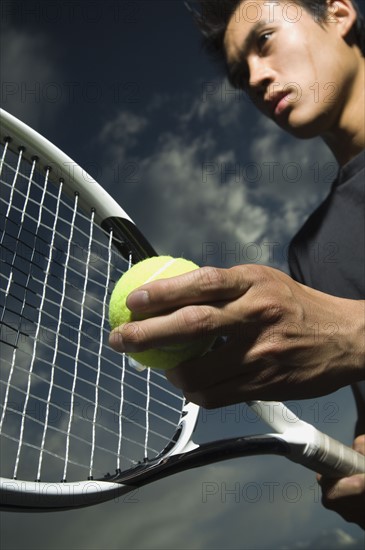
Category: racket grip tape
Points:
column 333, row 459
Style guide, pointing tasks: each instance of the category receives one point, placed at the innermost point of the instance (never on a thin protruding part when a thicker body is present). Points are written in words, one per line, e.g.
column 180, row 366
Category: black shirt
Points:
column 328, row 253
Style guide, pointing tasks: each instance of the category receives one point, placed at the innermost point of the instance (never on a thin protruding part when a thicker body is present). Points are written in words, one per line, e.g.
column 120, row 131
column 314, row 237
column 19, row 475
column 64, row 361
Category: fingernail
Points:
column 138, row 300
column 116, row 341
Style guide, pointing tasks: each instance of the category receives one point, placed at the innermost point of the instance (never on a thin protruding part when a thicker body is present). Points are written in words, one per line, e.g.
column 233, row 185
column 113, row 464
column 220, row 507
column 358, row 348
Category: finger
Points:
column 344, row 487
column 230, row 392
column 203, row 285
column 207, row 382
column 359, row 444
column 197, row 375
column 184, row 325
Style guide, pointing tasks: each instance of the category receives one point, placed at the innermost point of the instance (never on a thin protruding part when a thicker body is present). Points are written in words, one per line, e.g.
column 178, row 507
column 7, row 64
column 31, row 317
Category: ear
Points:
column 343, row 14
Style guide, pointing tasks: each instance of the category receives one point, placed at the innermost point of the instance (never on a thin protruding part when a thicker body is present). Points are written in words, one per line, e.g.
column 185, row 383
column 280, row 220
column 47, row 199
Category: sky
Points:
column 125, row 89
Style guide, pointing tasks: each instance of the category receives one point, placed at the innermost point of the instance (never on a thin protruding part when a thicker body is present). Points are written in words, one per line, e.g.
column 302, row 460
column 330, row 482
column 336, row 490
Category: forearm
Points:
column 359, row 395
column 356, row 337
column 340, row 337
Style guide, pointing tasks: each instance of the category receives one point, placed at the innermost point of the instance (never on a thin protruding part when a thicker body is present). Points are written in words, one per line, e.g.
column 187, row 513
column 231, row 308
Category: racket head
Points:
column 79, row 426
column 72, row 409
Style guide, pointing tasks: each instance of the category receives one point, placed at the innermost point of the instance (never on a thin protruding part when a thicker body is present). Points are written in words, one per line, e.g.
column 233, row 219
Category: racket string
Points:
column 12, row 262
column 122, row 399
column 57, row 334
column 3, row 156
column 148, row 399
column 83, row 298
column 16, row 174
column 105, row 391
column 121, row 416
column 38, row 325
column 11, row 275
column 121, row 406
column 163, row 439
column 72, row 461
column 97, row 382
column 69, row 403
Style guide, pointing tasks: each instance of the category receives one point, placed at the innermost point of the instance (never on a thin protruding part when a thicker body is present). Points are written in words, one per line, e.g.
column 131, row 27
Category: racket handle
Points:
column 309, row 446
column 331, row 458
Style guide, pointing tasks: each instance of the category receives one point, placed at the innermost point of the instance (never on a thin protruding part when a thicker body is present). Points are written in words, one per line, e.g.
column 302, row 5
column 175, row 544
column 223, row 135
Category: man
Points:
column 286, row 337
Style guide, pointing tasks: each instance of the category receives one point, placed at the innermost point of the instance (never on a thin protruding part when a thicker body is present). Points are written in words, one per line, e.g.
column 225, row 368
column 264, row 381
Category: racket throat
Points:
column 205, row 454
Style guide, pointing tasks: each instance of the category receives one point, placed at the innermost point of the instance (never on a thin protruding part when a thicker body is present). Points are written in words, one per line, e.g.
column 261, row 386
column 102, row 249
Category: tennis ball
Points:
column 159, row 267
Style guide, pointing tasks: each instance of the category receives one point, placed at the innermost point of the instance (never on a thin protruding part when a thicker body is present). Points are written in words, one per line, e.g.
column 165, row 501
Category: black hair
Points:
column 212, row 18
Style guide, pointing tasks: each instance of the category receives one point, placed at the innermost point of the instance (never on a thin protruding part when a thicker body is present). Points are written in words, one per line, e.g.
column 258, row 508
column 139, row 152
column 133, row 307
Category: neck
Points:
column 347, row 137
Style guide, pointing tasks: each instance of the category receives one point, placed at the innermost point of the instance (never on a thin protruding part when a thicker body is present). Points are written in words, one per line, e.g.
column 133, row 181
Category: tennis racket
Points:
column 78, row 424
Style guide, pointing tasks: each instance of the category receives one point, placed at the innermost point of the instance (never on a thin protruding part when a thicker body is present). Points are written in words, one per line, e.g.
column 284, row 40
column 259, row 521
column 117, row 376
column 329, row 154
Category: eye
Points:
column 263, row 39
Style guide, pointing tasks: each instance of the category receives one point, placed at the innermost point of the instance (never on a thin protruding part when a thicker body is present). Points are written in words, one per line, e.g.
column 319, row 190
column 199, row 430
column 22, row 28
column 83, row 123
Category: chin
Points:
column 305, row 128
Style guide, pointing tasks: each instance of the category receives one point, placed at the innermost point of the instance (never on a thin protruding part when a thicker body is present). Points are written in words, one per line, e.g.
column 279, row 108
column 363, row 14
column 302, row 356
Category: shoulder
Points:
column 302, row 241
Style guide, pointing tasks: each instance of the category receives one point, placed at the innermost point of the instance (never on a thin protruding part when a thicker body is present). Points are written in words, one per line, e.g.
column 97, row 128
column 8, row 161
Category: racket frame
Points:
column 296, row 440
column 109, row 214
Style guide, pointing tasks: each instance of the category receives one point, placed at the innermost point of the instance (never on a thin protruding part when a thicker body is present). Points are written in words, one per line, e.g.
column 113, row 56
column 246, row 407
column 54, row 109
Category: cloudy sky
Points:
column 125, row 89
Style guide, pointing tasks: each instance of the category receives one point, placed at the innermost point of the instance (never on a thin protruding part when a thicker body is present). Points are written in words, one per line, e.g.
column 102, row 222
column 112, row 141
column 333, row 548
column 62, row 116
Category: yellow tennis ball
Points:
column 159, row 267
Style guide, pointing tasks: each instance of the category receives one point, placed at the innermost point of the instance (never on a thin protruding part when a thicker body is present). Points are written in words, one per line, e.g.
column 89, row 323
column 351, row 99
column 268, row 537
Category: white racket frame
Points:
column 306, row 445
column 76, row 179
column 47, row 496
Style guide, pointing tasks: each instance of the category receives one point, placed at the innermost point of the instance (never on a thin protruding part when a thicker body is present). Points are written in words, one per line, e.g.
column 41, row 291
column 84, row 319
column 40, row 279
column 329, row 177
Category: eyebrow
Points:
column 235, row 67
column 250, row 38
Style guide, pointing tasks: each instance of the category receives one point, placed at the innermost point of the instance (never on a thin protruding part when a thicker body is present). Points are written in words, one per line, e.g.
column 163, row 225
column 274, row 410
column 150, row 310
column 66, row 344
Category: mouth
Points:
column 277, row 103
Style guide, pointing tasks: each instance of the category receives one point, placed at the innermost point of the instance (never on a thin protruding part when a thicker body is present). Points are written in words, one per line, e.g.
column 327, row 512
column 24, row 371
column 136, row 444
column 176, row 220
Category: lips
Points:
column 277, row 103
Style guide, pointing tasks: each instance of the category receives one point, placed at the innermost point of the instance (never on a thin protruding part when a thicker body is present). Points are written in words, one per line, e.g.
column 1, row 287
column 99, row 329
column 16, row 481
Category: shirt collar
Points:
column 351, row 168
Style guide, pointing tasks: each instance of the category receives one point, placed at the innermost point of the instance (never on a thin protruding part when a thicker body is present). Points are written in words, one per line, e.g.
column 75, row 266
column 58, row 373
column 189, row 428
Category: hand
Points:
column 346, row 496
column 283, row 340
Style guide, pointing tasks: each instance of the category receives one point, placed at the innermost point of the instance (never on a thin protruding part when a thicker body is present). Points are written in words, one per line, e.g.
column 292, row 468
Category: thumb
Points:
column 359, row 444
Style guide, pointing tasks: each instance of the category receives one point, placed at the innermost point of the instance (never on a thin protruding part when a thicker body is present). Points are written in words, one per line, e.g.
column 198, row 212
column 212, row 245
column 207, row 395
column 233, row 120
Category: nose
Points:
column 260, row 75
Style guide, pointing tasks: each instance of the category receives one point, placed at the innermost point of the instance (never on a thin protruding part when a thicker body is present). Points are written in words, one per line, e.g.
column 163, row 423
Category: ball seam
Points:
column 161, row 270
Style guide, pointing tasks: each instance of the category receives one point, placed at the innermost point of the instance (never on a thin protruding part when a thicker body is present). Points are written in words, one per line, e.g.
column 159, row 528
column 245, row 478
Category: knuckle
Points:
column 358, row 484
column 329, row 496
column 131, row 332
column 273, row 310
column 254, row 272
column 267, row 309
column 211, row 278
column 197, row 319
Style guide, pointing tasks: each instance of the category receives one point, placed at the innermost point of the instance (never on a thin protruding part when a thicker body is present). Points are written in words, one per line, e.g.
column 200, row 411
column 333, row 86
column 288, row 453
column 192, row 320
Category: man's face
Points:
column 297, row 72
